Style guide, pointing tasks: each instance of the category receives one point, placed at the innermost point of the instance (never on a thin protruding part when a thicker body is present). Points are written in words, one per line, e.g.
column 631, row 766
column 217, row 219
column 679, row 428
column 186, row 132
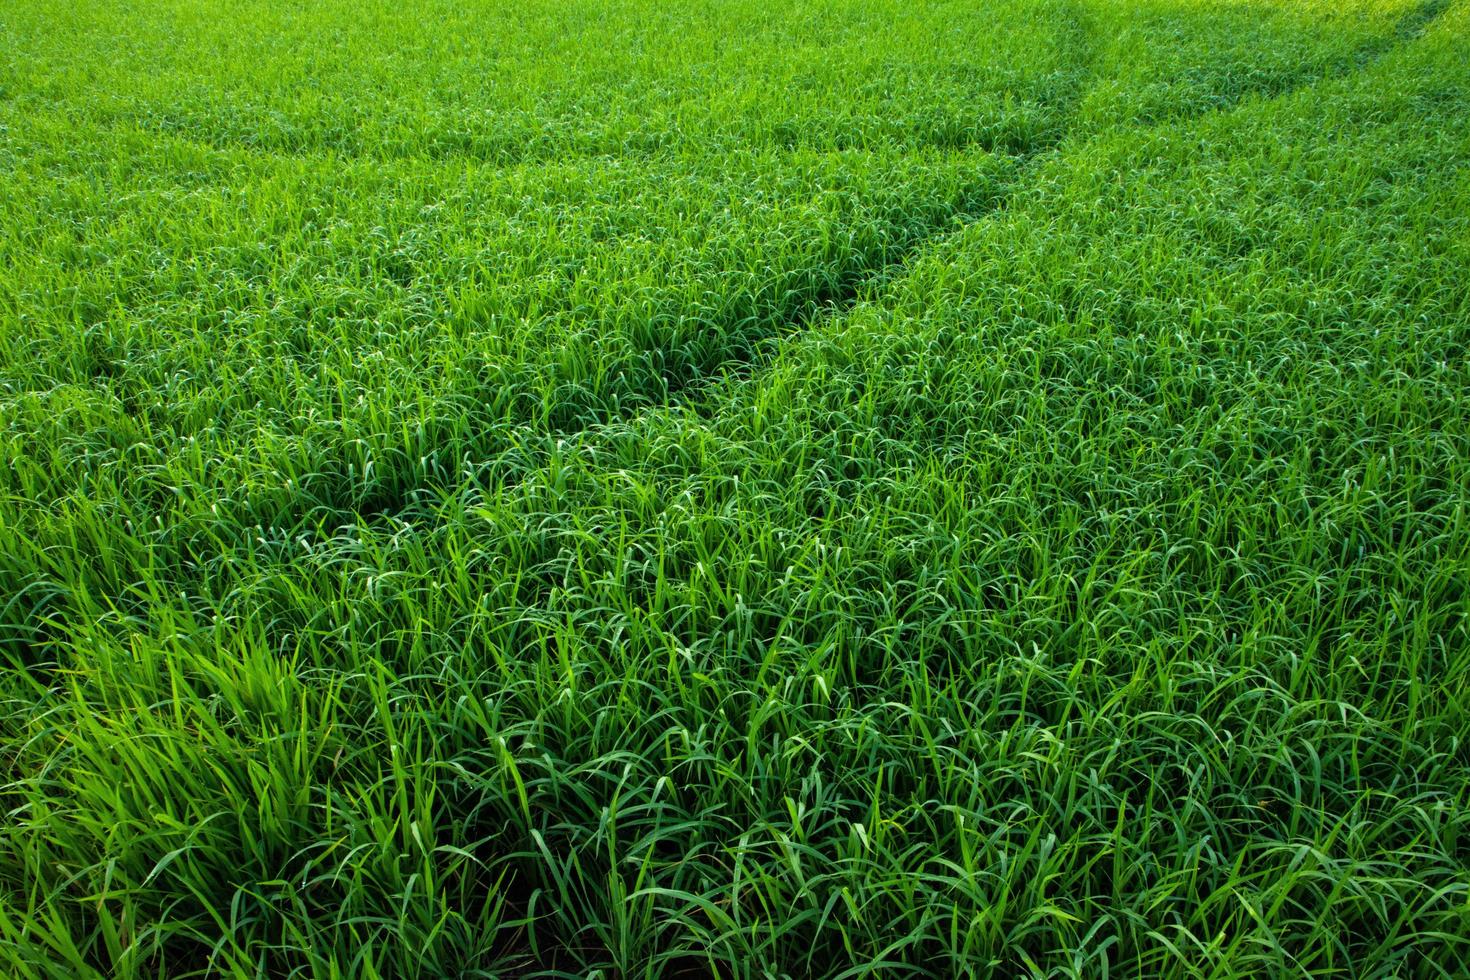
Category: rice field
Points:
column 735, row 489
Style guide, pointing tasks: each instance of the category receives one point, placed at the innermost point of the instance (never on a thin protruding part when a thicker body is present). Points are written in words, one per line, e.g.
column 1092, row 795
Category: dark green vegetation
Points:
column 734, row 489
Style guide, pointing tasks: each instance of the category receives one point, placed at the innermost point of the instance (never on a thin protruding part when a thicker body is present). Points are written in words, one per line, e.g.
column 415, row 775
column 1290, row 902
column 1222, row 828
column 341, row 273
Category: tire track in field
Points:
column 502, row 477
column 1079, row 37
column 1416, row 22
column 699, row 391
column 508, row 146
column 533, row 147
column 406, row 490
column 402, row 489
column 703, row 399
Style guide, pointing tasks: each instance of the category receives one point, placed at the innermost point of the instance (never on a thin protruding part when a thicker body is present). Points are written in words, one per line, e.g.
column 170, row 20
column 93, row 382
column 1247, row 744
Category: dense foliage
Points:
column 735, row 489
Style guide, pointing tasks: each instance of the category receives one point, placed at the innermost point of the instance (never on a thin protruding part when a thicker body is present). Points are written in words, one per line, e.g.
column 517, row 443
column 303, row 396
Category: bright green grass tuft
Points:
column 674, row 490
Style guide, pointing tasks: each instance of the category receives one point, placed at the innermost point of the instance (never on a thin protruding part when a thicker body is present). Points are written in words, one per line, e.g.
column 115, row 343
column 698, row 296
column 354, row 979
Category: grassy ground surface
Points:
column 735, row 489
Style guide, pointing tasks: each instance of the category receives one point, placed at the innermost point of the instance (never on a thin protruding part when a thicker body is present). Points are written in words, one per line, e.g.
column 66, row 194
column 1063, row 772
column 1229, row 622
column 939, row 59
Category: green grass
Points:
column 733, row 490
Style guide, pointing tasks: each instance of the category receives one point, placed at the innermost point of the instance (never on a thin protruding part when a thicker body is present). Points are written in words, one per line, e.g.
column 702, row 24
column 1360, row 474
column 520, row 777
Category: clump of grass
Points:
column 637, row 492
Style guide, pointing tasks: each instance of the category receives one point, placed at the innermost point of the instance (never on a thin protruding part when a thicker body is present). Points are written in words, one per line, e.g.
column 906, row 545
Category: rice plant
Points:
column 735, row 490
